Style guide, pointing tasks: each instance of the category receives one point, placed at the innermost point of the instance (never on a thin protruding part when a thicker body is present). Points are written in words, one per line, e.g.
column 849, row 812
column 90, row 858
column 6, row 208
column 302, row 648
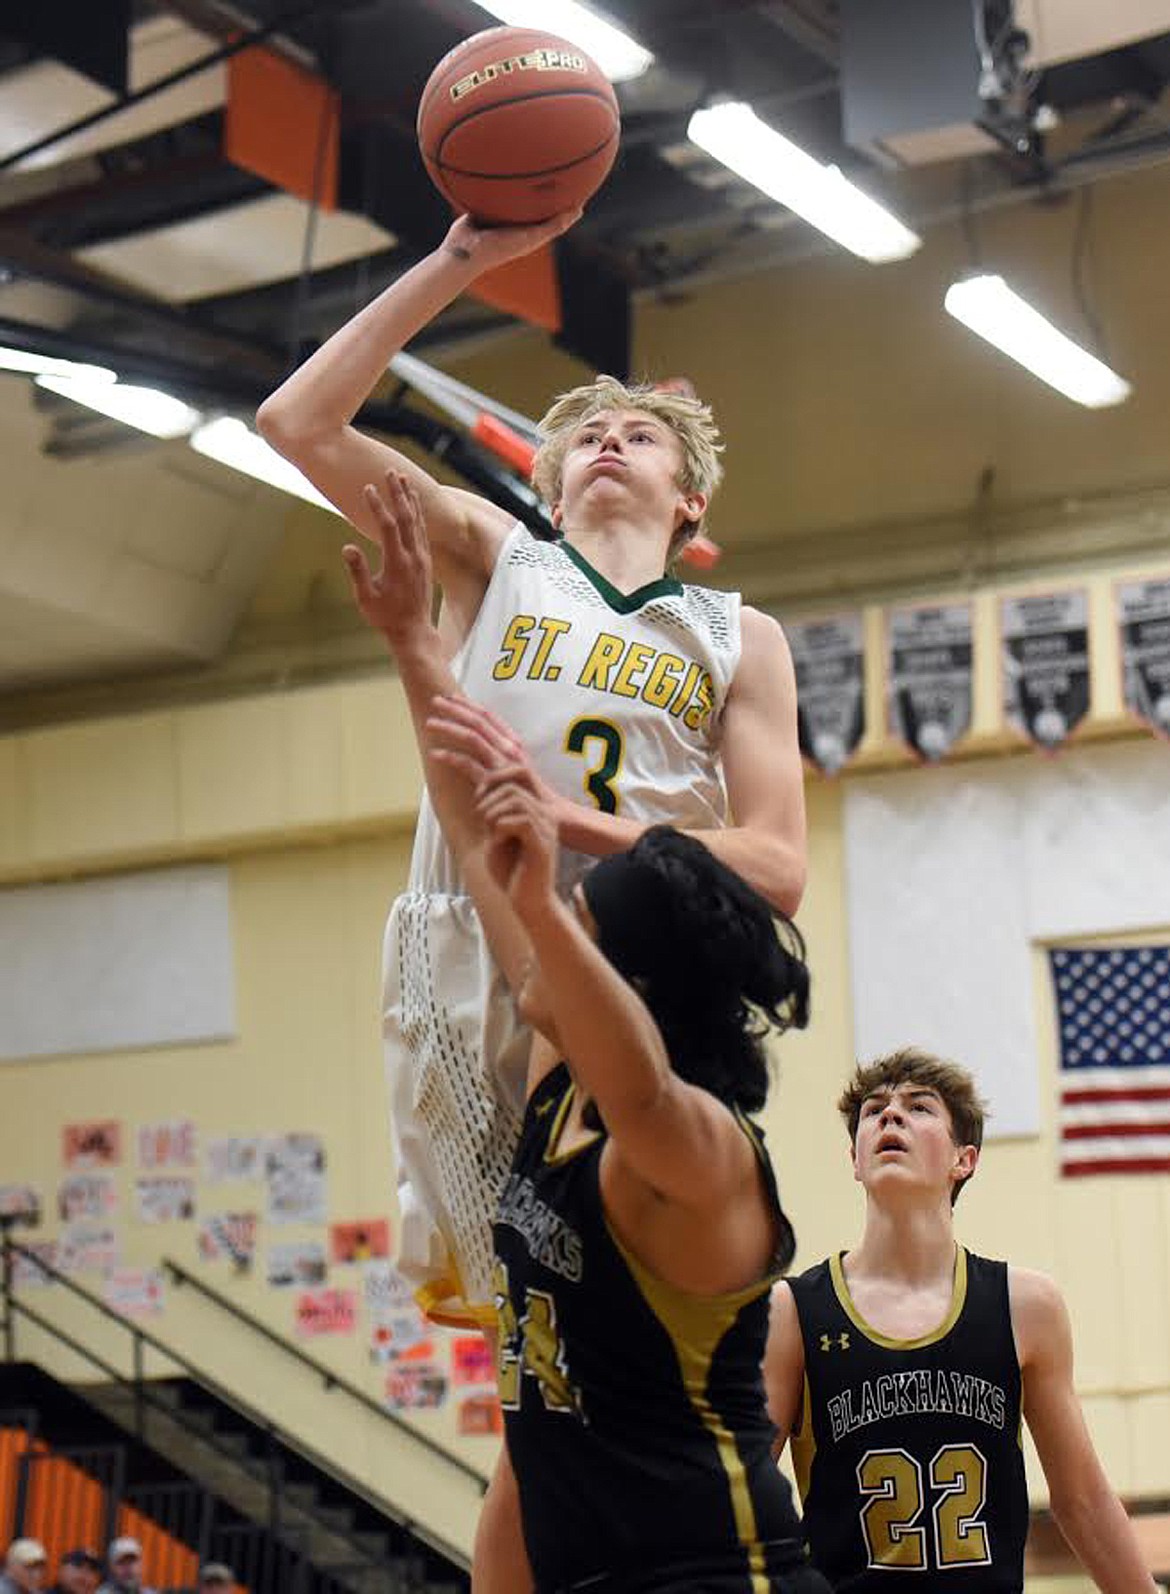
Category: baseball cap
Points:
column 82, row 1557
column 124, row 1547
column 27, row 1552
column 216, row 1572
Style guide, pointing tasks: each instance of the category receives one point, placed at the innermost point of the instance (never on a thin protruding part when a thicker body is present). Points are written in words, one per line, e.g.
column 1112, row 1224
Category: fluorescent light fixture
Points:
column 822, row 195
column 143, row 407
column 47, row 365
column 618, row 56
column 989, row 307
column 232, row 443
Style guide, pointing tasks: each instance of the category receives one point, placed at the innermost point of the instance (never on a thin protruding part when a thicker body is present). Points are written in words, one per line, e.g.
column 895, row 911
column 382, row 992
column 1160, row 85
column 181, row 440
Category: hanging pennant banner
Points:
column 1143, row 618
column 830, row 688
column 929, row 673
column 1045, row 657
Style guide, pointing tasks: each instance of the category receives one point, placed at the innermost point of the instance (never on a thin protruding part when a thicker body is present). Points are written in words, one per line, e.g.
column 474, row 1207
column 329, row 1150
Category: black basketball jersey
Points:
column 908, row 1458
column 634, row 1412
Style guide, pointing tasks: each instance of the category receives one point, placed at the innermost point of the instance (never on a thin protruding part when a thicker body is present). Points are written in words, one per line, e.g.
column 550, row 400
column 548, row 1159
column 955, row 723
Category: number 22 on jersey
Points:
column 890, row 1482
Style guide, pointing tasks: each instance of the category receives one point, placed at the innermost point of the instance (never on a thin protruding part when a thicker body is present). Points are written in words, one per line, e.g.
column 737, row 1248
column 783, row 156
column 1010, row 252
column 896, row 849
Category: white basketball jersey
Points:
column 618, row 697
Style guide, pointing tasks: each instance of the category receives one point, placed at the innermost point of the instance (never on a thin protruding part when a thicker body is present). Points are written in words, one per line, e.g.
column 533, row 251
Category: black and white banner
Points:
column 929, row 674
column 1143, row 619
column 1045, row 655
column 830, row 688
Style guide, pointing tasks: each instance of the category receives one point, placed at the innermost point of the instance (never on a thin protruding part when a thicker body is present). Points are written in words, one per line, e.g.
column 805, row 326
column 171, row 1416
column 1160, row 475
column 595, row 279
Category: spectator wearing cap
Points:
column 124, row 1569
column 215, row 1577
column 78, row 1572
column 25, row 1567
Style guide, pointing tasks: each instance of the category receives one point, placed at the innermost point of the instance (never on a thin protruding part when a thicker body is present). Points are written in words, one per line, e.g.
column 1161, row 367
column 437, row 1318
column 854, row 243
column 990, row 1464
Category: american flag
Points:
column 1114, row 1010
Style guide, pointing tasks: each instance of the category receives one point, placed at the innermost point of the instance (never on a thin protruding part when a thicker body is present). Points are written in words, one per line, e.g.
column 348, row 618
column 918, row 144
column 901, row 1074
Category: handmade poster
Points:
column 88, row 1248
column 472, row 1361
column 230, row 1235
column 92, row 1145
column 1045, row 657
column 364, row 1241
column 400, row 1334
column 135, row 1291
column 22, row 1204
column 1143, row 618
column 167, row 1145
column 233, row 1158
column 297, row 1264
column 415, row 1388
column 928, row 665
column 828, row 657
column 294, row 1166
column 86, row 1195
column 384, row 1287
column 327, row 1311
column 27, row 1271
column 164, row 1199
column 479, row 1416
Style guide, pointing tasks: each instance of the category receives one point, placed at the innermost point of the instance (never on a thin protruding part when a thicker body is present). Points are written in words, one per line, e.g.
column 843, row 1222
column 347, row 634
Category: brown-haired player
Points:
column 641, row 701
column 899, row 1372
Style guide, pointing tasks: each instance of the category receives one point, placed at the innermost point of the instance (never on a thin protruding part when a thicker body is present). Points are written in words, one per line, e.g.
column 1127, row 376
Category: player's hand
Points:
column 397, row 598
column 520, row 839
column 473, row 740
column 487, row 247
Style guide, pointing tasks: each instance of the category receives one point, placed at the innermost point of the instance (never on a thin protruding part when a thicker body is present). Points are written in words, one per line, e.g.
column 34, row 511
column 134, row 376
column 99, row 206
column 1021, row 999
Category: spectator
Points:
column 79, row 1572
column 25, row 1567
column 215, row 1577
column 124, row 1569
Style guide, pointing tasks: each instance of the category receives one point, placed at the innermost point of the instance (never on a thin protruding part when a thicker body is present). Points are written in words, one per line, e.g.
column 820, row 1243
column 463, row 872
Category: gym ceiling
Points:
column 170, row 236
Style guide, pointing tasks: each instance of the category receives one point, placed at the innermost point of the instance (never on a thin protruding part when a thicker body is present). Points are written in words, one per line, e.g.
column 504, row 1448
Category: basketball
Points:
column 516, row 125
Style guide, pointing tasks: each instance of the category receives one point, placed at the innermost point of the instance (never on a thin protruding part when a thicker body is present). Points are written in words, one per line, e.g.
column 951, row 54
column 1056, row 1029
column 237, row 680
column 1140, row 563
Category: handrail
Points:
column 331, row 1380
column 250, row 1413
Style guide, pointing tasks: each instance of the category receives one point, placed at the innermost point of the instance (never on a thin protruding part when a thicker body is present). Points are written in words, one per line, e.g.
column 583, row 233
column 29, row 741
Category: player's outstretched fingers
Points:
column 502, row 734
column 450, row 725
column 386, row 524
column 486, row 725
column 360, row 575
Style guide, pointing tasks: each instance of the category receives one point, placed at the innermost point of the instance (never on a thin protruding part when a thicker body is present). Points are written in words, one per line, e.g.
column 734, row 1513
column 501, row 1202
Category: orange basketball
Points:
column 515, row 125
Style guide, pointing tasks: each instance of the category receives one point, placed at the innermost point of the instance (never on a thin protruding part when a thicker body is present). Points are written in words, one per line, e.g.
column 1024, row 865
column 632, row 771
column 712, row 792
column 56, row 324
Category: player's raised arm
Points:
column 309, row 417
column 396, row 599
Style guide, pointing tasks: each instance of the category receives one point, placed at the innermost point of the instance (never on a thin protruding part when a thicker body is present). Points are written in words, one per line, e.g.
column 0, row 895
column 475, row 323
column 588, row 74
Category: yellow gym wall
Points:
column 849, row 400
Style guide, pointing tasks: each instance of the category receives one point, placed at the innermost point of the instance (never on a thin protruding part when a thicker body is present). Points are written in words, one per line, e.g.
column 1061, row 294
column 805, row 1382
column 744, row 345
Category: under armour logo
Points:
column 829, row 1340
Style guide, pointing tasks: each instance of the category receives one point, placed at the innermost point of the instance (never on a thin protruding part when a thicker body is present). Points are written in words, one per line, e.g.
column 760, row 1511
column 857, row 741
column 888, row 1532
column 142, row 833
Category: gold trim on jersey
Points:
column 552, row 1156
column 958, row 1301
column 802, row 1443
column 696, row 1326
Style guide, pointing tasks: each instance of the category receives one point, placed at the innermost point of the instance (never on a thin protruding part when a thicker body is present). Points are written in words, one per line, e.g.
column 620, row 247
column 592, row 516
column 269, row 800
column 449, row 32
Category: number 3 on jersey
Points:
column 891, row 1484
column 585, row 737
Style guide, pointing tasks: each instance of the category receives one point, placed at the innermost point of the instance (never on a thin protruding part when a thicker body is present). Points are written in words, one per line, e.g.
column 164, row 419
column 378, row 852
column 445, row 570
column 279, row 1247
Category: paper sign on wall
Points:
column 294, row 1166
column 297, row 1264
column 164, row 1200
column 326, row 1312
column 21, row 1203
column 167, row 1145
column 92, row 1145
column 135, row 1291
column 364, row 1241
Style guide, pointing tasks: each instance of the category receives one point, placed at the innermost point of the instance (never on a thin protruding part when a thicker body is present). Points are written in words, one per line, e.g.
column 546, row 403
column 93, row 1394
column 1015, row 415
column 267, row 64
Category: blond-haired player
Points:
column 899, row 1371
column 640, row 699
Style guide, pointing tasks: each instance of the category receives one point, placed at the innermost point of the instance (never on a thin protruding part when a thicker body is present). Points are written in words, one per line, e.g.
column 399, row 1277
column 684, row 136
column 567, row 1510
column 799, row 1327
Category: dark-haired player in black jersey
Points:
column 900, row 1369
column 640, row 1230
